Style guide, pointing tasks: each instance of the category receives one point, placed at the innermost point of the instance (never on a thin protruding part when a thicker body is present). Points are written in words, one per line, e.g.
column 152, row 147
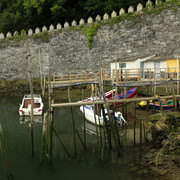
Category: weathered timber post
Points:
column 160, row 104
column 112, row 77
column 74, row 129
column 125, row 103
column 122, row 92
column 94, row 110
column 178, row 76
column 5, row 160
column 32, row 106
column 84, row 120
column 40, row 69
column 62, row 143
column 134, row 123
column 140, row 131
column 110, row 119
column 50, row 124
column 155, row 81
column 174, row 99
column 147, row 106
column 44, row 142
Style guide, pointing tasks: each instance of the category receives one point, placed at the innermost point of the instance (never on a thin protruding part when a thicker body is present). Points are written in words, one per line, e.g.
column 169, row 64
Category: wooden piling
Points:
column 160, row 104
column 44, row 147
column 32, row 110
column 135, row 123
column 147, row 106
column 174, row 99
column 4, row 155
column 125, row 103
column 84, row 119
column 73, row 122
column 65, row 149
column 50, row 121
column 140, row 128
column 111, row 124
column 40, row 69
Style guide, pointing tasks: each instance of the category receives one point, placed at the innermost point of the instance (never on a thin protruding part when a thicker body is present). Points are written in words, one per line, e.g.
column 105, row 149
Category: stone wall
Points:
column 67, row 50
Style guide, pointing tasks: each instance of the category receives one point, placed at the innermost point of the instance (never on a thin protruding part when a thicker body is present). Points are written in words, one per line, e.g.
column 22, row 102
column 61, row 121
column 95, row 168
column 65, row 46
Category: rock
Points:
column 176, row 160
column 162, row 172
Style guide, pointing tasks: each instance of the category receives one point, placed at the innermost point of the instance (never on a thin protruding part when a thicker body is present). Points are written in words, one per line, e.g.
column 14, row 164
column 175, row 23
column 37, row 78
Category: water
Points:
column 86, row 165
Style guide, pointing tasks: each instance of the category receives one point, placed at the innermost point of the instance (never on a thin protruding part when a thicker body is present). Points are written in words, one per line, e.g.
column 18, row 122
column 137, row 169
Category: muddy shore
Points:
column 165, row 165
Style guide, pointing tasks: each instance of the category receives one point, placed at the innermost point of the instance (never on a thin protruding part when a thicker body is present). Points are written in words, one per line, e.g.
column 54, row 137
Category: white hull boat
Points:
column 25, row 107
column 95, row 116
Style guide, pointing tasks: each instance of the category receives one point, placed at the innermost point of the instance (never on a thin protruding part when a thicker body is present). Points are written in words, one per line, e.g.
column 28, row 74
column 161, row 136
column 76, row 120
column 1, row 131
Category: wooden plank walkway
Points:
column 118, row 76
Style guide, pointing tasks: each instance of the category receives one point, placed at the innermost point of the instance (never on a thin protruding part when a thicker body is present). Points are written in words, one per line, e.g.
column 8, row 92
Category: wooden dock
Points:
column 118, row 76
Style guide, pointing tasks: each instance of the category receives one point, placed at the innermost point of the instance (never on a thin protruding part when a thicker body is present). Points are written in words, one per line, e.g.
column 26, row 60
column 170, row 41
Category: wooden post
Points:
column 107, row 128
column 140, row 131
column 134, row 123
column 113, row 77
column 174, row 99
column 40, row 69
column 44, row 142
column 160, row 104
column 125, row 103
column 4, row 155
column 85, row 76
column 117, row 77
column 155, row 81
column 147, row 106
column 111, row 124
column 73, row 122
column 61, row 143
column 70, row 77
column 50, row 124
column 54, row 79
column 94, row 110
column 145, row 139
column 32, row 104
column 177, row 76
column 84, row 119
column 122, row 92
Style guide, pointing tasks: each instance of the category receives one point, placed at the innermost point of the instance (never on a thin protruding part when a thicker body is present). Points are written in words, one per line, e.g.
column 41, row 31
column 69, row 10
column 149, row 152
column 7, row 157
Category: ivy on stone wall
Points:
column 90, row 31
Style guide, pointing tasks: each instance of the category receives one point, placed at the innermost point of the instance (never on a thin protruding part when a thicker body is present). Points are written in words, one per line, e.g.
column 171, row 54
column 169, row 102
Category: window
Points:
column 123, row 65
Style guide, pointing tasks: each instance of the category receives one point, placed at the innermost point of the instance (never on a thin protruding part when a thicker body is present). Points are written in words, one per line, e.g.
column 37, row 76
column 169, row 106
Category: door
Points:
column 142, row 69
column 157, row 69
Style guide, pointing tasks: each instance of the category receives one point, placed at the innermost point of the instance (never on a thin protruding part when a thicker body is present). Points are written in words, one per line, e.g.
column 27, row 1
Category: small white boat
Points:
column 95, row 116
column 25, row 107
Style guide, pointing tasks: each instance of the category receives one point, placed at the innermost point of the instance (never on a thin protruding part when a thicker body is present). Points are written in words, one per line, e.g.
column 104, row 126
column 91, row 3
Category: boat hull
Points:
column 25, row 107
column 28, row 113
column 164, row 107
column 90, row 117
column 131, row 93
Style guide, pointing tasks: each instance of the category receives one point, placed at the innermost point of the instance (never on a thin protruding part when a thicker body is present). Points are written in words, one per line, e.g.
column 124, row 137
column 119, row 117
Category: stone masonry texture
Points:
column 68, row 51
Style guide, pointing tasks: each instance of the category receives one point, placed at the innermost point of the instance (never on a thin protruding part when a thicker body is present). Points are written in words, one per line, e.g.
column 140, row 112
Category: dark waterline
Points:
column 85, row 166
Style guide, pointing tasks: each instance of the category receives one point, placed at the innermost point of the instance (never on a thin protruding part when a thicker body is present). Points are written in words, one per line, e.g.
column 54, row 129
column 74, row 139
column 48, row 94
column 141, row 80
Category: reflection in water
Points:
column 86, row 165
column 25, row 119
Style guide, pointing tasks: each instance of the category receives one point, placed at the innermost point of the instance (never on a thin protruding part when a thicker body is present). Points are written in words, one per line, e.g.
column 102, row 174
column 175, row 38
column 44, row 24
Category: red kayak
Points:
column 108, row 95
column 131, row 93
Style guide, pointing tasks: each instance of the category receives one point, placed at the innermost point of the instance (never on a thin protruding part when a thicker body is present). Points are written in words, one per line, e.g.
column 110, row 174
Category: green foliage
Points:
column 90, row 31
column 44, row 36
column 16, row 38
column 16, row 34
column 23, row 32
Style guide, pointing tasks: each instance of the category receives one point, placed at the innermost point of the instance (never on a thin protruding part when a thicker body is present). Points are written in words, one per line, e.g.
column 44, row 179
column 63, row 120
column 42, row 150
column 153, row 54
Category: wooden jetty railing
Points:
column 118, row 76
column 113, row 101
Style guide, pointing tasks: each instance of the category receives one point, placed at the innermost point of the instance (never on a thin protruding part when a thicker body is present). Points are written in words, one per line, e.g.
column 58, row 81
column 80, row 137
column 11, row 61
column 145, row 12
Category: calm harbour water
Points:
column 85, row 166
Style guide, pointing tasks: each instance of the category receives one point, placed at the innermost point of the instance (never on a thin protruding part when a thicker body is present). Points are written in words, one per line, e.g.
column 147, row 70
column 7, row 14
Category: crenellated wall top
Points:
column 90, row 20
